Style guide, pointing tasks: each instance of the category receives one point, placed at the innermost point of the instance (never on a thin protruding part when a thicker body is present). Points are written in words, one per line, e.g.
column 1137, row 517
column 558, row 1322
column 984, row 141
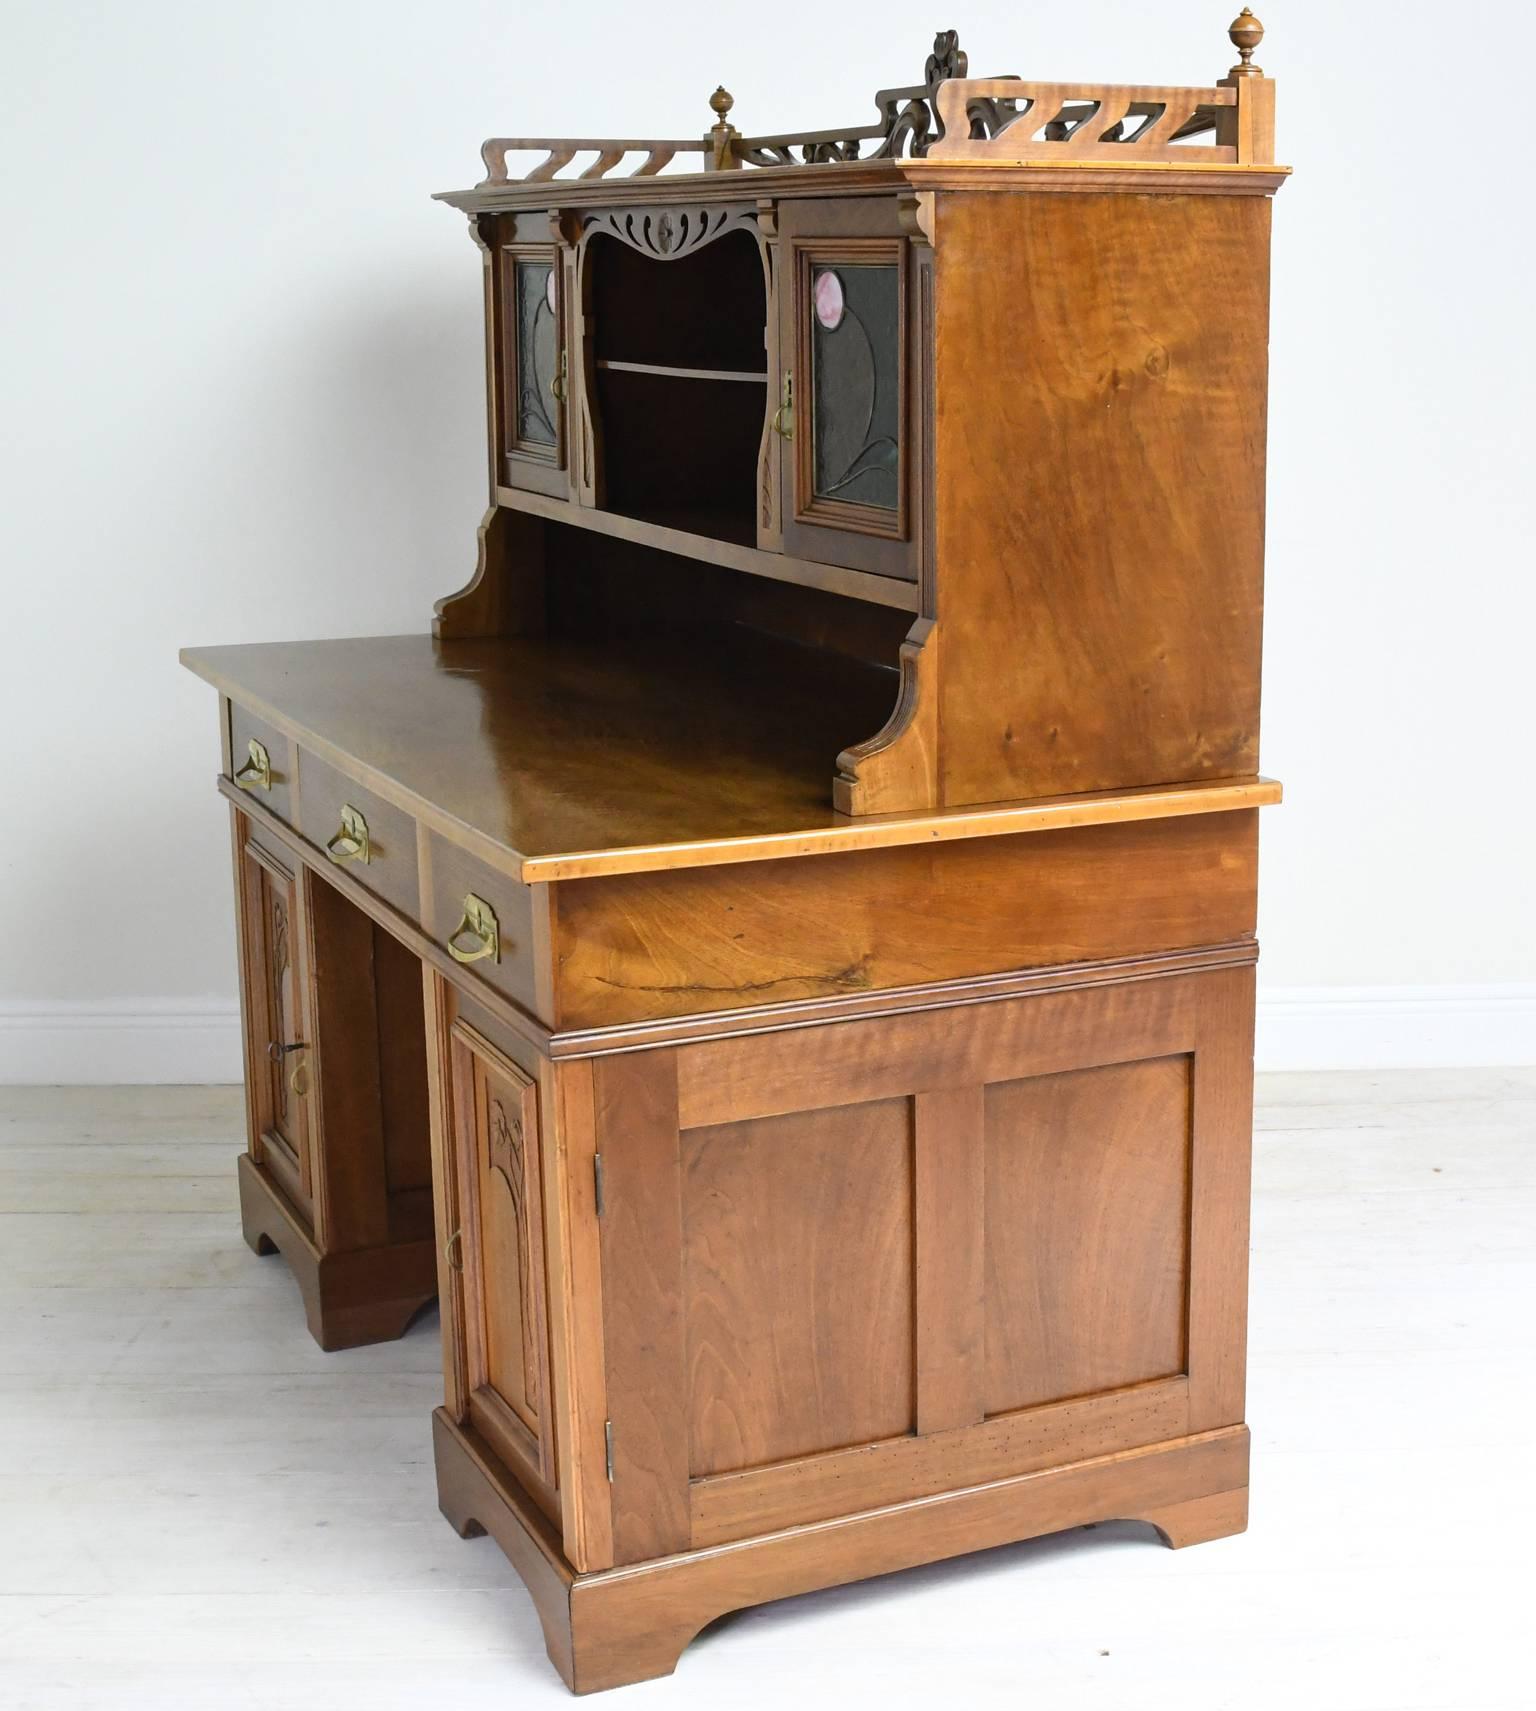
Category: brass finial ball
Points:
column 1246, row 32
column 722, row 100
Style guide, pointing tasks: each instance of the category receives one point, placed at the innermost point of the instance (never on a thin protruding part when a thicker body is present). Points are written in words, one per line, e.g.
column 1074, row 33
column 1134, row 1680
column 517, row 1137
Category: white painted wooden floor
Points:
column 199, row 1509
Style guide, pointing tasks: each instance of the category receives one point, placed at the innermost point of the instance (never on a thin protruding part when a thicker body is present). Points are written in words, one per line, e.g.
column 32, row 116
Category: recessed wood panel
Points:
column 1087, row 1231
column 798, row 1283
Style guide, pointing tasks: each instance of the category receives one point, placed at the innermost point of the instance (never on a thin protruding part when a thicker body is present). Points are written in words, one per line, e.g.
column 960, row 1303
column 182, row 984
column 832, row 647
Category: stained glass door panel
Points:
column 852, row 385
column 855, row 413
column 531, row 425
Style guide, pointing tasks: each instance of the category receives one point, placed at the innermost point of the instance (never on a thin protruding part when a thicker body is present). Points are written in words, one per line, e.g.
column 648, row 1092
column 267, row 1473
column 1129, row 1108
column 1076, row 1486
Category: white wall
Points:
column 242, row 401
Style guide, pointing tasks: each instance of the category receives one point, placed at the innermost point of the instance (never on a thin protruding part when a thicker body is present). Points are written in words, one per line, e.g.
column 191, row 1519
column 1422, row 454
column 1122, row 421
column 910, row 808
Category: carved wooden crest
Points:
column 664, row 234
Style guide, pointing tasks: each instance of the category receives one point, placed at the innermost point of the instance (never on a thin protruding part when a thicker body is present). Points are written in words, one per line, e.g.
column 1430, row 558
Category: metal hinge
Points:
column 597, row 1182
column 608, row 1441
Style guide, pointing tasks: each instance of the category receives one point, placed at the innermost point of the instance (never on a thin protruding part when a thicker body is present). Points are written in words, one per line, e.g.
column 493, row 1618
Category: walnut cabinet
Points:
column 776, row 961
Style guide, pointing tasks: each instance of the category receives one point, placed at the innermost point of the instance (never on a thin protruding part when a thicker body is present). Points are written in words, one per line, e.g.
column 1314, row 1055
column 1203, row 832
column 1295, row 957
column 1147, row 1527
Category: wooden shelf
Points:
column 613, row 365
column 568, row 760
column 709, row 549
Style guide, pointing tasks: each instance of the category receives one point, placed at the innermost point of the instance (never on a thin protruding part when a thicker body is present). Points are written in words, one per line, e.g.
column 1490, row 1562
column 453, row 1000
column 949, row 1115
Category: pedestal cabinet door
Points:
column 500, row 1247
column 274, row 981
column 846, row 388
column 532, row 368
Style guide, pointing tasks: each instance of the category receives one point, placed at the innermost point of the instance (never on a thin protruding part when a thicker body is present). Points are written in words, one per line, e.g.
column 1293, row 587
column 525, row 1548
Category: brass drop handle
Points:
column 477, row 935
column 351, row 843
column 256, row 774
column 783, row 423
column 453, row 1251
column 557, row 384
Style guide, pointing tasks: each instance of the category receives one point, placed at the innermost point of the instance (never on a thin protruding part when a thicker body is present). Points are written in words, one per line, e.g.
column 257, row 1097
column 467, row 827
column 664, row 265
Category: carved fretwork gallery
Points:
column 777, row 960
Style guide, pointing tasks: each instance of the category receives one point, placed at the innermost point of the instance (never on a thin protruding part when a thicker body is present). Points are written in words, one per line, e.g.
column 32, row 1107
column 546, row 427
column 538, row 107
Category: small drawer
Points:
column 370, row 838
column 483, row 920
column 261, row 761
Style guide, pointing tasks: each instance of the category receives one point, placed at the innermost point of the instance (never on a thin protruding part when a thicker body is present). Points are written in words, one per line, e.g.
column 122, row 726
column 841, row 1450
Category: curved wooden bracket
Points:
column 897, row 770
column 505, row 596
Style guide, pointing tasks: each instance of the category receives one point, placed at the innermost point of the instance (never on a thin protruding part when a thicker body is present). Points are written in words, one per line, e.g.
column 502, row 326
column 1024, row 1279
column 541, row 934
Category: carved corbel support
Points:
column 505, row 595
column 897, row 770
column 915, row 211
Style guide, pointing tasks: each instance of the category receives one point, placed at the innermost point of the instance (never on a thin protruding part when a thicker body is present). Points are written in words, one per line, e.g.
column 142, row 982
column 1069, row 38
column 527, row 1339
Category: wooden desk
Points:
column 827, row 1126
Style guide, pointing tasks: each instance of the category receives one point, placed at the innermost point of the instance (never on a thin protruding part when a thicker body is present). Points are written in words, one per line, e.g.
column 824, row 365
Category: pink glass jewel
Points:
column 828, row 293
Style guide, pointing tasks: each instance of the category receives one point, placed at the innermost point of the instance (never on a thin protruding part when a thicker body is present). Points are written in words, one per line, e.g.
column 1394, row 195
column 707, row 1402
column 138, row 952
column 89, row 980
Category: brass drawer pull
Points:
column 351, row 842
column 256, row 774
column 478, row 923
column 557, row 384
column 453, row 1251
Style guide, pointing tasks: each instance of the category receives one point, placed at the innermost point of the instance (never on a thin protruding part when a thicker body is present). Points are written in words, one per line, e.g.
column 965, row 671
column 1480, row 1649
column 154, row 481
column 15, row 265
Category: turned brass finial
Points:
column 1246, row 32
column 722, row 134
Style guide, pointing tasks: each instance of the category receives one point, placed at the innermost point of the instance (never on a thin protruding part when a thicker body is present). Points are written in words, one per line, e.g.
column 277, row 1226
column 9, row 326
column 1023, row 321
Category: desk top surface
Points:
column 562, row 760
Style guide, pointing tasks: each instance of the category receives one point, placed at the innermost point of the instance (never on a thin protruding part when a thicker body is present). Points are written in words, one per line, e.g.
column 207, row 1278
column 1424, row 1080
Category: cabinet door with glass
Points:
column 531, row 370
column 846, row 386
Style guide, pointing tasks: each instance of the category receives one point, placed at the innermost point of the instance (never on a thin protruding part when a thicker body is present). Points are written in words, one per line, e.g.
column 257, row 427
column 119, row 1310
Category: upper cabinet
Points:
column 741, row 374
column 972, row 394
column 847, row 383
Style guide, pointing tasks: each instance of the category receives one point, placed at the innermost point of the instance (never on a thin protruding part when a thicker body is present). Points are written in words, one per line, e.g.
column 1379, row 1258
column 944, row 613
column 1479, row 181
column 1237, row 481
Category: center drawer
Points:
column 372, row 839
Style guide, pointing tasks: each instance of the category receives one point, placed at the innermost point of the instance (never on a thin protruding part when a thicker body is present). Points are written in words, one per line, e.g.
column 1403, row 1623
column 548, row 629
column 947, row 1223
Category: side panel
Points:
column 1101, row 375
column 856, row 1264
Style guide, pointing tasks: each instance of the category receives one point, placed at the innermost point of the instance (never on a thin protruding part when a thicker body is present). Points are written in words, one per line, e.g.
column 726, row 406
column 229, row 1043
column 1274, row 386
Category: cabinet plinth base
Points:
column 631, row 1624
column 366, row 1295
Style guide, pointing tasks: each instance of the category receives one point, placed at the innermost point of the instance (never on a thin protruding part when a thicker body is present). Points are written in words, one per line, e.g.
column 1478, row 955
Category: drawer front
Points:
column 639, row 947
column 484, row 920
column 261, row 761
column 371, row 839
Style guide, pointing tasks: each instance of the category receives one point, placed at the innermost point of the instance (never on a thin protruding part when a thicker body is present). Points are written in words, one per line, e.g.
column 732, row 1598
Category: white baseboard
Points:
column 112, row 1042
column 153, row 1041
column 1396, row 1027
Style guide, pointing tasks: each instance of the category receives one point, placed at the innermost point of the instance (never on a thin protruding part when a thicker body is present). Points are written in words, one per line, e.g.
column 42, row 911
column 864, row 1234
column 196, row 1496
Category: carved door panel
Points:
column 533, row 368
column 859, row 1264
column 848, row 388
column 275, row 992
column 500, row 1246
